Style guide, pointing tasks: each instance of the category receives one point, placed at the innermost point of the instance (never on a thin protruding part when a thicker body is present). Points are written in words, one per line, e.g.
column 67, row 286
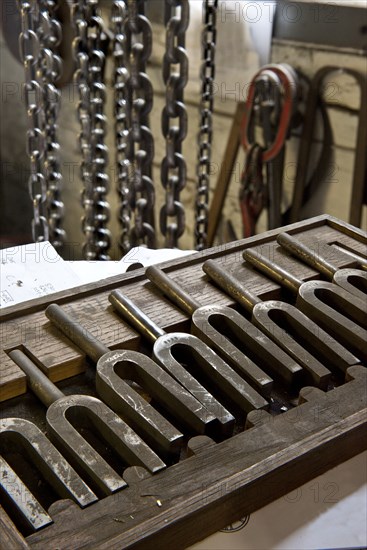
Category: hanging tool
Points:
column 334, row 309
column 53, row 466
column 114, row 367
column 274, row 72
column 302, row 190
column 201, row 364
column 292, row 330
column 352, row 280
column 314, row 104
column 220, row 327
column 270, row 103
column 253, row 190
column 75, row 447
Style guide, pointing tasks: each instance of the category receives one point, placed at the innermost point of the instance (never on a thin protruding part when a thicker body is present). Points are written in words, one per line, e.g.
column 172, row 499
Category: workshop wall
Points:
column 238, row 57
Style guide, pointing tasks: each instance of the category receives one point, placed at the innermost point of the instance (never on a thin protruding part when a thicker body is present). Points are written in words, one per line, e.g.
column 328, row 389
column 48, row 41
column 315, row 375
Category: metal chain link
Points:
column 141, row 149
column 41, row 34
column 29, row 46
column 122, row 110
column 175, row 76
column 90, row 60
column 50, row 67
column 205, row 135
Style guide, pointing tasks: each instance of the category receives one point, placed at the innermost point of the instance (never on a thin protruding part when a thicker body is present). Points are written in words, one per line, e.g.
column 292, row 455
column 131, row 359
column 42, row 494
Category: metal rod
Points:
column 361, row 262
column 275, row 272
column 306, row 254
column 172, row 290
column 39, row 383
column 352, row 280
column 231, row 285
column 135, row 316
column 79, row 335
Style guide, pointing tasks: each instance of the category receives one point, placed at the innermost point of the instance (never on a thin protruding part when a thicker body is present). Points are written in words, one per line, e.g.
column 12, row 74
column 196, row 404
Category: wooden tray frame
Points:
column 221, row 482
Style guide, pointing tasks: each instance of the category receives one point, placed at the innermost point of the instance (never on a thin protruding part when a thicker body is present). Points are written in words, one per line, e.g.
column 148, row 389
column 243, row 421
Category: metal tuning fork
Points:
column 114, row 367
column 85, row 459
column 52, row 465
column 337, row 311
column 204, row 374
column 220, row 326
column 291, row 329
column 352, row 280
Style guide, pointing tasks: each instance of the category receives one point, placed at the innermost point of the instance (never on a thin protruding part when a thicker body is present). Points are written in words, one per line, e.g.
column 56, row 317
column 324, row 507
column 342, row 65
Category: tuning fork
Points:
column 335, row 310
column 221, row 326
column 210, row 379
column 352, row 280
column 60, row 409
column 52, row 465
column 113, row 367
column 291, row 329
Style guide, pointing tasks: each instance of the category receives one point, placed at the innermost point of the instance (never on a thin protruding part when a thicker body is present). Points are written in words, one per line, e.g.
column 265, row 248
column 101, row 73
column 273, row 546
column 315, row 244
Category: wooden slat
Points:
column 10, row 538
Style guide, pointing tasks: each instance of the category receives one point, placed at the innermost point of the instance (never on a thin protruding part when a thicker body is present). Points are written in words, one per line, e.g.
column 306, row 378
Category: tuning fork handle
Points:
column 79, row 335
column 172, row 290
column 272, row 270
column 135, row 316
column 231, row 285
column 37, row 381
column 307, row 255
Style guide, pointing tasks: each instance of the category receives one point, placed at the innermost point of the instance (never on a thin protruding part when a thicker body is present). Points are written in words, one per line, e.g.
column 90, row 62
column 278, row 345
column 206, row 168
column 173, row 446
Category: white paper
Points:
column 34, row 270
column 31, row 271
column 95, row 271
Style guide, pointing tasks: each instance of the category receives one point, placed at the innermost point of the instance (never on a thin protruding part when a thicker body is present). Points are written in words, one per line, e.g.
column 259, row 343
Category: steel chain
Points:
column 175, row 76
column 252, row 194
column 122, row 109
column 90, row 59
column 50, row 67
column 207, row 75
column 29, row 46
column 141, row 144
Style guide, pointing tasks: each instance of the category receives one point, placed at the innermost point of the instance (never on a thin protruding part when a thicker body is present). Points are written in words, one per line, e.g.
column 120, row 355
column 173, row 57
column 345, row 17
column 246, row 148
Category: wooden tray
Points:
column 220, row 482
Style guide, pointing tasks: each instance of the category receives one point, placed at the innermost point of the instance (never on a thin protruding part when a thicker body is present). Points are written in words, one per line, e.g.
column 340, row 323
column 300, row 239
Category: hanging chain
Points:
column 29, row 51
column 90, row 60
column 41, row 34
column 175, row 76
column 50, row 68
column 141, row 148
column 122, row 109
column 29, row 46
column 205, row 135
